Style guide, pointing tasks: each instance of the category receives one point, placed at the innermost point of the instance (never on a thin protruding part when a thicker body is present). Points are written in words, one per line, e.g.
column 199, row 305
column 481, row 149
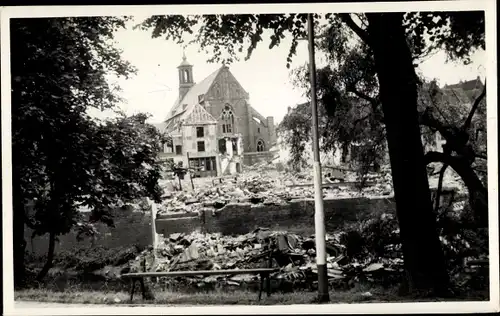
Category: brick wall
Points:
column 130, row 228
column 295, row 216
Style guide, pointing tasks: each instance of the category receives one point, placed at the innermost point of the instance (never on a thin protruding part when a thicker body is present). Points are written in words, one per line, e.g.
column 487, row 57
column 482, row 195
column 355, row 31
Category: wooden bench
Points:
column 264, row 274
column 268, row 254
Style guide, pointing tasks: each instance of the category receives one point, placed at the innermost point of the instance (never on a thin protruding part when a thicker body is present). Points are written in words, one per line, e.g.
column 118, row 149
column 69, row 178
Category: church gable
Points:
column 226, row 87
column 199, row 116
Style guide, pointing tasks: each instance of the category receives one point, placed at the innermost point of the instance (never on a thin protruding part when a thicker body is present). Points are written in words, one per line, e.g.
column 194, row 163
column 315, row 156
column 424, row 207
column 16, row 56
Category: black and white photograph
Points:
column 250, row 158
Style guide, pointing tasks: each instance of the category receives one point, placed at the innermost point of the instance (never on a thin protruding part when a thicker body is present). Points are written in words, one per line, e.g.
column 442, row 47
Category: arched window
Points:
column 260, row 145
column 186, row 76
column 227, row 120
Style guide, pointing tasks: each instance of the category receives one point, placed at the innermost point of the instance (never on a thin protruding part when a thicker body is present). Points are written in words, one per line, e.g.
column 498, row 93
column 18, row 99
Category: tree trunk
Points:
column 423, row 255
column 478, row 193
column 50, row 257
column 19, row 243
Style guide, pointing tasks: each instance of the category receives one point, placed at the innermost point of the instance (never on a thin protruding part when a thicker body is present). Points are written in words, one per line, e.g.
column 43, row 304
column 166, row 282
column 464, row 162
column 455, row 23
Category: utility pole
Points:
column 319, row 216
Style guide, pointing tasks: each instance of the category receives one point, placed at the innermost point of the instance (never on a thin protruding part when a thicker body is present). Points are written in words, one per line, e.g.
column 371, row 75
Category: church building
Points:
column 213, row 126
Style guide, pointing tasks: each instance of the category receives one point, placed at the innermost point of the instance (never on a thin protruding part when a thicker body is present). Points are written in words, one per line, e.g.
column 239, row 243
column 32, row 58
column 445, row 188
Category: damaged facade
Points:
column 213, row 126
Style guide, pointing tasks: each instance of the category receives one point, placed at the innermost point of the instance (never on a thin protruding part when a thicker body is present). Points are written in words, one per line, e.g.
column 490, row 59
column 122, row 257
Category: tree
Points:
column 62, row 158
column 349, row 97
column 393, row 39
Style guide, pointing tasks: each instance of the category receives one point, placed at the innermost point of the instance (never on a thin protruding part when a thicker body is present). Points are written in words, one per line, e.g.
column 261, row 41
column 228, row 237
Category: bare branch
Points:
column 440, row 187
column 347, row 19
column 474, row 108
column 373, row 101
column 425, row 118
column 361, row 95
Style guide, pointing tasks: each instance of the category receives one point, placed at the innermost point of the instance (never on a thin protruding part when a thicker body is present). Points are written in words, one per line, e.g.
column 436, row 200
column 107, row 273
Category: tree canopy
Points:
column 62, row 158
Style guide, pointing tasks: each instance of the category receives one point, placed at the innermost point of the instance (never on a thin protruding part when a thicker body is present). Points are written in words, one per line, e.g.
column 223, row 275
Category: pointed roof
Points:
column 198, row 115
column 191, row 97
column 184, row 61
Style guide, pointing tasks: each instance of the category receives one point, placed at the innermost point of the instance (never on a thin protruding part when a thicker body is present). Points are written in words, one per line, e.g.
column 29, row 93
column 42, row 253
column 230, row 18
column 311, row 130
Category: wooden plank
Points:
column 202, row 272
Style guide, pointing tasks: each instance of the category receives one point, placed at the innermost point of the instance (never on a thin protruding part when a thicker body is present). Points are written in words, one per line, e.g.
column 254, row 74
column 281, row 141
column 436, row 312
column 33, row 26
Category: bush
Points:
column 92, row 259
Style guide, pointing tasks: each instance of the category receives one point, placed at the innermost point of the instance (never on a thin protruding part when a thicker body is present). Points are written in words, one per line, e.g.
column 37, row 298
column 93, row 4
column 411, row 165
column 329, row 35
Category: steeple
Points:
column 185, row 76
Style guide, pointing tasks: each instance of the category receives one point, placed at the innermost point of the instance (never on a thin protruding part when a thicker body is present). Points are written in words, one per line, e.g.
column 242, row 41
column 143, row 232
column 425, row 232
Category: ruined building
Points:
column 213, row 126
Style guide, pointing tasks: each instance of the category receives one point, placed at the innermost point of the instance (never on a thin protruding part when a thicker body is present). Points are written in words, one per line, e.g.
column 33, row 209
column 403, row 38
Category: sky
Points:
column 264, row 76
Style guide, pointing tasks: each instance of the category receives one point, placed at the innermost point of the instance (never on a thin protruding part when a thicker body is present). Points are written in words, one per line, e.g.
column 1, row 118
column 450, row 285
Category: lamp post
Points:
column 319, row 216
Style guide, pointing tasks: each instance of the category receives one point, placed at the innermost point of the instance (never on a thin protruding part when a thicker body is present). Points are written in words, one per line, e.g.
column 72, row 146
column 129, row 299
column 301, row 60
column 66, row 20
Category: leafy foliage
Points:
column 458, row 33
column 224, row 36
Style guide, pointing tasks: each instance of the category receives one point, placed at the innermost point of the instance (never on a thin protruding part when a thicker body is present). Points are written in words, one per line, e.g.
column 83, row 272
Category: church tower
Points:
column 185, row 77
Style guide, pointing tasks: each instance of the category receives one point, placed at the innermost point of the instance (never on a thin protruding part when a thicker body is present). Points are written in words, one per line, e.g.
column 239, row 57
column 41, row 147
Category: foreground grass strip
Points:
column 207, row 298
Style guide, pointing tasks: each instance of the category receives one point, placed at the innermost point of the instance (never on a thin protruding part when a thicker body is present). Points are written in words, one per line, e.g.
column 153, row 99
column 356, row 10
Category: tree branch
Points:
column 440, row 188
column 347, row 19
column 478, row 194
column 426, row 119
column 474, row 108
column 373, row 101
column 361, row 95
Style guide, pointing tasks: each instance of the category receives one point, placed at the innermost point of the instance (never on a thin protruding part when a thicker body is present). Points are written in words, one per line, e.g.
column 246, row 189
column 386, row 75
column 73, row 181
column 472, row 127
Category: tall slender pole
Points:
column 190, row 171
column 319, row 216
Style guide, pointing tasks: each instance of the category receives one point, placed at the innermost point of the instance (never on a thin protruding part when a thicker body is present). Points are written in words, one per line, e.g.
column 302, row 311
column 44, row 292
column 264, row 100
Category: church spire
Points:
column 185, row 75
column 184, row 59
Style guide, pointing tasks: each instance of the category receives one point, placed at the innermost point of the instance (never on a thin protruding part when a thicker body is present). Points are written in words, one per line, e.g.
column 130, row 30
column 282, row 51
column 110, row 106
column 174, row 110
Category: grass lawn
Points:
column 215, row 297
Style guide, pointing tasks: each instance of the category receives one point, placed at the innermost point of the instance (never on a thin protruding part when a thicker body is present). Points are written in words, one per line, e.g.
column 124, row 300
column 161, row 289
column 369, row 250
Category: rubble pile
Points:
column 261, row 184
column 293, row 254
column 266, row 187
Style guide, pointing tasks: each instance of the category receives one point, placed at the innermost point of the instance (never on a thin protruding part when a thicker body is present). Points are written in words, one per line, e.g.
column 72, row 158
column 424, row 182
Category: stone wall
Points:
column 250, row 158
column 297, row 216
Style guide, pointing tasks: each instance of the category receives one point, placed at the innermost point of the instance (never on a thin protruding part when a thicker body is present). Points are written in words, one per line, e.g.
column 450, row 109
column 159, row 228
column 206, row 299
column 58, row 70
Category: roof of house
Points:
column 191, row 97
column 453, row 95
column 470, row 88
column 467, row 85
